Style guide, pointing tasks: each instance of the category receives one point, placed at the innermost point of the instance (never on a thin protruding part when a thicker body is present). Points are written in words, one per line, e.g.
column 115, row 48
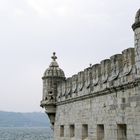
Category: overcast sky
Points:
column 79, row 31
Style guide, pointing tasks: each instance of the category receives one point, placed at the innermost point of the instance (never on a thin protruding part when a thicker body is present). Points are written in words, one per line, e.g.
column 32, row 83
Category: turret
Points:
column 51, row 78
column 136, row 29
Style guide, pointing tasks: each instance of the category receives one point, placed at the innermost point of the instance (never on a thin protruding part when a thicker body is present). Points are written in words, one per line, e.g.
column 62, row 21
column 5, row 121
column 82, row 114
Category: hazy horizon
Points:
column 80, row 32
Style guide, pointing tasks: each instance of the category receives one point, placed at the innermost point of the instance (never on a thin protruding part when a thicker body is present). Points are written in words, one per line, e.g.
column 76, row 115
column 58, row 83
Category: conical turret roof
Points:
column 54, row 70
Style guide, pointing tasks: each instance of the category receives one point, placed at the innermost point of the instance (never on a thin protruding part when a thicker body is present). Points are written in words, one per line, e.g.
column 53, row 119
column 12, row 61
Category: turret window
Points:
column 50, row 92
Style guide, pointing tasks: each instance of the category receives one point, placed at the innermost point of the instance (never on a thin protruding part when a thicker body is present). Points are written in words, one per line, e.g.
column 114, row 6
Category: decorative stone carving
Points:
column 87, row 75
column 68, row 86
column 105, row 70
column 128, row 61
column 63, row 88
column 96, row 72
column 80, row 80
column 116, row 64
column 59, row 91
column 74, row 83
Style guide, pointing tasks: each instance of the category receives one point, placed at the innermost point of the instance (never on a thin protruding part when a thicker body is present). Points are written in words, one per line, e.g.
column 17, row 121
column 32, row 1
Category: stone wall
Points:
column 100, row 103
column 115, row 108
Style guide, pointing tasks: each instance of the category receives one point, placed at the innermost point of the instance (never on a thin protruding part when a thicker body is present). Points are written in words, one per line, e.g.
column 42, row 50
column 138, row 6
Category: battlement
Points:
column 118, row 71
column 102, row 102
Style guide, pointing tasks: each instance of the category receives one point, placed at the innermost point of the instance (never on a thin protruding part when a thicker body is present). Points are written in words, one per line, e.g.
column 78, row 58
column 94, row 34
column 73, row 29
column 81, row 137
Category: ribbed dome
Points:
column 137, row 18
column 54, row 70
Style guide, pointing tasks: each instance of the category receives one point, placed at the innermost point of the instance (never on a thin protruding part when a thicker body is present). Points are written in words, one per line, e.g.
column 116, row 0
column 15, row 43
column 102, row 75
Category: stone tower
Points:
column 101, row 102
column 136, row 29
column 52, row 76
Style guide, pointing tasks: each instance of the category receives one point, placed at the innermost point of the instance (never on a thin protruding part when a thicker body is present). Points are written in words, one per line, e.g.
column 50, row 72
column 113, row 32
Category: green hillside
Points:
column 12, row 119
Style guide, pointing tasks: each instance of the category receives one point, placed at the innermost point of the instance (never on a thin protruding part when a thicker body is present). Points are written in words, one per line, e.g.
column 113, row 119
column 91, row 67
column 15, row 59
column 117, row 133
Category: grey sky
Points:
column 80, row 31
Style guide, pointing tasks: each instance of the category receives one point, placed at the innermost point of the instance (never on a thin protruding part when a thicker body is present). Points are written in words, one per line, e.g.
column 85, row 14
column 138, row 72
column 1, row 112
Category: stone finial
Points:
column 54, row 62
column 53, row 70
column 54, row 57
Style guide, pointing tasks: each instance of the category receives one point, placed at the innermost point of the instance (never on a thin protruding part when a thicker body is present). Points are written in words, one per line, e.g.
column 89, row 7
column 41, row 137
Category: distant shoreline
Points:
column 25, row 120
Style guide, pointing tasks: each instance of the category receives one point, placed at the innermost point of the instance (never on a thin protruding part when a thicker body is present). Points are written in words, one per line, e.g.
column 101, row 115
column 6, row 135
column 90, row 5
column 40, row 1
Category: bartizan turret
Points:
column 101, row 102
column 51, row 78
column 136, row 29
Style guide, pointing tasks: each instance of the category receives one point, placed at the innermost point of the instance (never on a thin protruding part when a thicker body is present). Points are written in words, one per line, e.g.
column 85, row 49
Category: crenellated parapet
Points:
column 96, row 74
column 100, row 102
column 111, row 73
column 128, row 61
column 68, row 88
column 105, row 71
column 116, row 67
column 129, row 66
column 80, row 83
column 74, row 85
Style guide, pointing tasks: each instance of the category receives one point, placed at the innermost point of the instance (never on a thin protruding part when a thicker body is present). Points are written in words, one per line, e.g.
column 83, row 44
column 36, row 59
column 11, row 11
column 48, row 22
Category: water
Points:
column 26, row 134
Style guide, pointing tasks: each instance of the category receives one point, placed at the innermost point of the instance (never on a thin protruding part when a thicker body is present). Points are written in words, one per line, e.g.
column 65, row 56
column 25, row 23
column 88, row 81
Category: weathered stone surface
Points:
column 101, row 102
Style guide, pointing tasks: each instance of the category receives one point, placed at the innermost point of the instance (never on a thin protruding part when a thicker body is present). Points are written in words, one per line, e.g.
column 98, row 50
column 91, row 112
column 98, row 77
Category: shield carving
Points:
column 116, row 61
column 105, row 68
column 74, row 83
column 87, row 74
column 96, row 71
column 128, row 61
column 68, row 86
column 63, row 88
column 80, row 81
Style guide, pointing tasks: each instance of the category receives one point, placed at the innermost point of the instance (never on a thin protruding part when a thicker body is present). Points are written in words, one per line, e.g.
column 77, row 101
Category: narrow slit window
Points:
column 62, row 131
column 100, row 132
column 121, row 132
column 72, row 130
column 84, row 131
